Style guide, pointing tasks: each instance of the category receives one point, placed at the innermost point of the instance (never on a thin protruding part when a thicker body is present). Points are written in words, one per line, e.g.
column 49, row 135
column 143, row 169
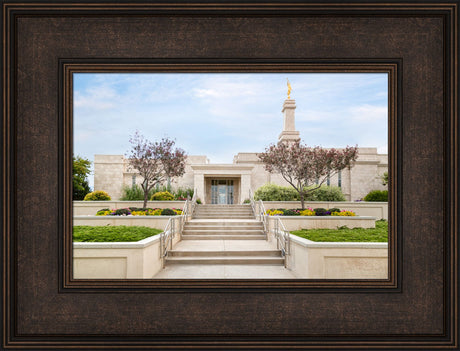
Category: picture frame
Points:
column 44, row 307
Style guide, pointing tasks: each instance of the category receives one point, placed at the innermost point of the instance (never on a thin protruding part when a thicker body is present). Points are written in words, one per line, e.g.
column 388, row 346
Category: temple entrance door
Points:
column 222, row 192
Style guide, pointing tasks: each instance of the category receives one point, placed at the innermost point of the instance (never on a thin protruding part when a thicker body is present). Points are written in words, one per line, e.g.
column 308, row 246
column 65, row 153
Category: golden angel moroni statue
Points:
column 289, row 88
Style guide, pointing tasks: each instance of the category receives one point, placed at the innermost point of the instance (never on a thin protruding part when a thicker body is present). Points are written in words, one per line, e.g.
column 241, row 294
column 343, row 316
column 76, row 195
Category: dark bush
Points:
column 321, row 212
column 122, row 212
column 138, row 208
column 102, row 210
column 290, row 212
column 334, row 209
column 168, row 212
column 377, row 196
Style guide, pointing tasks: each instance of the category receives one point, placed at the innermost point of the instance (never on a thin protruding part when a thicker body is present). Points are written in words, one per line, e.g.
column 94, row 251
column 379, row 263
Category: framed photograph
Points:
column 71, row 68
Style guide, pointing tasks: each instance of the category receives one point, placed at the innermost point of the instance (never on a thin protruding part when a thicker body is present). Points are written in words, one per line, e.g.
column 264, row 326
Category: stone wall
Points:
column 315, row 260
column 111, row 173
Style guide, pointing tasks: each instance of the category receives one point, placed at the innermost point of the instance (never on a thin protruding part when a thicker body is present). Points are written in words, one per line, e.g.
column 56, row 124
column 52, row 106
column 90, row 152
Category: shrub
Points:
column 334, row 209
column 321, row 212
column 137, row 209
column 198, row 201
column 162, row 196
column 377, row 195
column 291, row 213
column 246, row 201
column 168, row 212
column 133, row 193
column 326, row 193
column 273, row 192
column 122, row 212
column 97, row 195
column 103, row 212
column 183, row 194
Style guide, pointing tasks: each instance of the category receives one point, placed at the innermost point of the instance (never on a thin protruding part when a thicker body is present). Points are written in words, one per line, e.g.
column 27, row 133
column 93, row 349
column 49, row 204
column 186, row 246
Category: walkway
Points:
column 224, row 242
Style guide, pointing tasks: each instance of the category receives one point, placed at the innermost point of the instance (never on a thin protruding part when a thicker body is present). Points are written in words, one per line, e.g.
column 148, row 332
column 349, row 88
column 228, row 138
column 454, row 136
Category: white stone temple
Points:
column 230, row 183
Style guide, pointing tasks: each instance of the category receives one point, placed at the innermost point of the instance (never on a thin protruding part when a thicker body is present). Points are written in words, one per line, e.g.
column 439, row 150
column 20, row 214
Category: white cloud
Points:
column 369, row 113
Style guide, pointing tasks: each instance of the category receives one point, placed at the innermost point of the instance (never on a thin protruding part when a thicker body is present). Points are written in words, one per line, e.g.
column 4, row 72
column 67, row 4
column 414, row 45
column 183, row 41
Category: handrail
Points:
column 283, row 238
column 259, row 212
column 172, row 228
column 167, row 236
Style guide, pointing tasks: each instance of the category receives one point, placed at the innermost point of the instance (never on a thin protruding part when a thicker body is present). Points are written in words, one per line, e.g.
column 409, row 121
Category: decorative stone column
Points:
column 245, row 186
column 200, row 186
column 289, row 133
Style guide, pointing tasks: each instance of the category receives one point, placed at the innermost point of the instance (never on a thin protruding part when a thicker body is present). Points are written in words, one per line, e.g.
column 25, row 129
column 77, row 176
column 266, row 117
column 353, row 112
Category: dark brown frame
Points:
column 45, row 42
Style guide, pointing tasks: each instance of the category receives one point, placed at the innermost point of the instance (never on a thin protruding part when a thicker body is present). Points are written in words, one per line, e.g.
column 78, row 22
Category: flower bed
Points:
column 139, row 211
column 310, row 212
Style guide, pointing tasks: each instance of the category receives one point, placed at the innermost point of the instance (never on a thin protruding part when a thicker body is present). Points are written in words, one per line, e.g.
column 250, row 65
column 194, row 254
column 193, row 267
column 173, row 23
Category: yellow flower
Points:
column 307, row 212
column 344, row 213
column 138, row 213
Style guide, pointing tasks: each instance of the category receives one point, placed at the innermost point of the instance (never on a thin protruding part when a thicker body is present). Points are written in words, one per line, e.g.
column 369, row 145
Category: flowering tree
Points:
column 156, row 162
column 303, row 167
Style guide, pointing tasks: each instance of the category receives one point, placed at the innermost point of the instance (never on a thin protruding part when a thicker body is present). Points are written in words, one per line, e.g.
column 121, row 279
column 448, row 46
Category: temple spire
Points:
column 289, row 133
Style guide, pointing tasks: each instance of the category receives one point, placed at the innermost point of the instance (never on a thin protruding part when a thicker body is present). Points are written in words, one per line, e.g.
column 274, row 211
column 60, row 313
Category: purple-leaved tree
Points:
column 155, row 161
column 303, row 166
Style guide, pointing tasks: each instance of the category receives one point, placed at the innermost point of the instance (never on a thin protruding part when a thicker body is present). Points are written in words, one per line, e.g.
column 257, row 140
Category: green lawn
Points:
column 120, row 233
column 377, row 234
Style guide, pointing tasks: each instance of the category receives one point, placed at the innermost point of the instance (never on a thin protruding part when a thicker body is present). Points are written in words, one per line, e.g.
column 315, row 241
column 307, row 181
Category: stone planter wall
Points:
column 315, row 260
column 158, row 222
column 131, row 260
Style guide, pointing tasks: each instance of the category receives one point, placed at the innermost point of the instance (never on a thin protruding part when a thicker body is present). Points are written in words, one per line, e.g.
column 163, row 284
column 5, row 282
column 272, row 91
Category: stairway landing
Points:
column 224, row 242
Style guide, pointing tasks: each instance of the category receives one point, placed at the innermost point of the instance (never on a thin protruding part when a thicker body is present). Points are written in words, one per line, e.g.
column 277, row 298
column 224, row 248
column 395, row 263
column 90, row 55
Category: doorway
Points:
column 222, row 192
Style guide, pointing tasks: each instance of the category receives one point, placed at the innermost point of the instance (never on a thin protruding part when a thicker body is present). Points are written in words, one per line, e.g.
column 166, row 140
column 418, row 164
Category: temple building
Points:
column 231, row 183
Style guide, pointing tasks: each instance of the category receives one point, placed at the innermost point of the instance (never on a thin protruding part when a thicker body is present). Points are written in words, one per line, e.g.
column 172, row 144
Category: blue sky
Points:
column 219, row 115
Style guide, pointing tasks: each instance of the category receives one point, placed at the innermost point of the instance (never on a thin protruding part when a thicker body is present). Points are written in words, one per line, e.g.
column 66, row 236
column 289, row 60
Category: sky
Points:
column 221, row 114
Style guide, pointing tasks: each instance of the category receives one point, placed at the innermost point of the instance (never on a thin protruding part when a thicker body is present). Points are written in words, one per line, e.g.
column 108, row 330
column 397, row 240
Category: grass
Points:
column 120, row 233
column 344, row 234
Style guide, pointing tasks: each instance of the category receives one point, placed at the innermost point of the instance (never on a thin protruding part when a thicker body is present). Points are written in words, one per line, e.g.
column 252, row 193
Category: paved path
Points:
column 224, row 242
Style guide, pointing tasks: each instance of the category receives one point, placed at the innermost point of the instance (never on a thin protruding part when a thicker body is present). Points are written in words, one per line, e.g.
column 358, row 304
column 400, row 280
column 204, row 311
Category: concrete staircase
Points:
column 223, row 212
column 224, row 235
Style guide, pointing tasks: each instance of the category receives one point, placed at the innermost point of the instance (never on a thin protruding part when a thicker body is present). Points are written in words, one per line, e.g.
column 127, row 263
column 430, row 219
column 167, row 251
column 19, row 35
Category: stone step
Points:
column 226, row 222
column 222, row 228
column 222, row 212
column 179, row 253
column 221, row 232
column 226, row 260
column 222, row 217
column 222, row 206
column 223, row 237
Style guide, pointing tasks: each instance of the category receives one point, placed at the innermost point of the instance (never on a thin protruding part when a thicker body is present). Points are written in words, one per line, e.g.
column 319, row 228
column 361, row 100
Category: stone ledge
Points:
column 119, row 245
column 339, row 245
